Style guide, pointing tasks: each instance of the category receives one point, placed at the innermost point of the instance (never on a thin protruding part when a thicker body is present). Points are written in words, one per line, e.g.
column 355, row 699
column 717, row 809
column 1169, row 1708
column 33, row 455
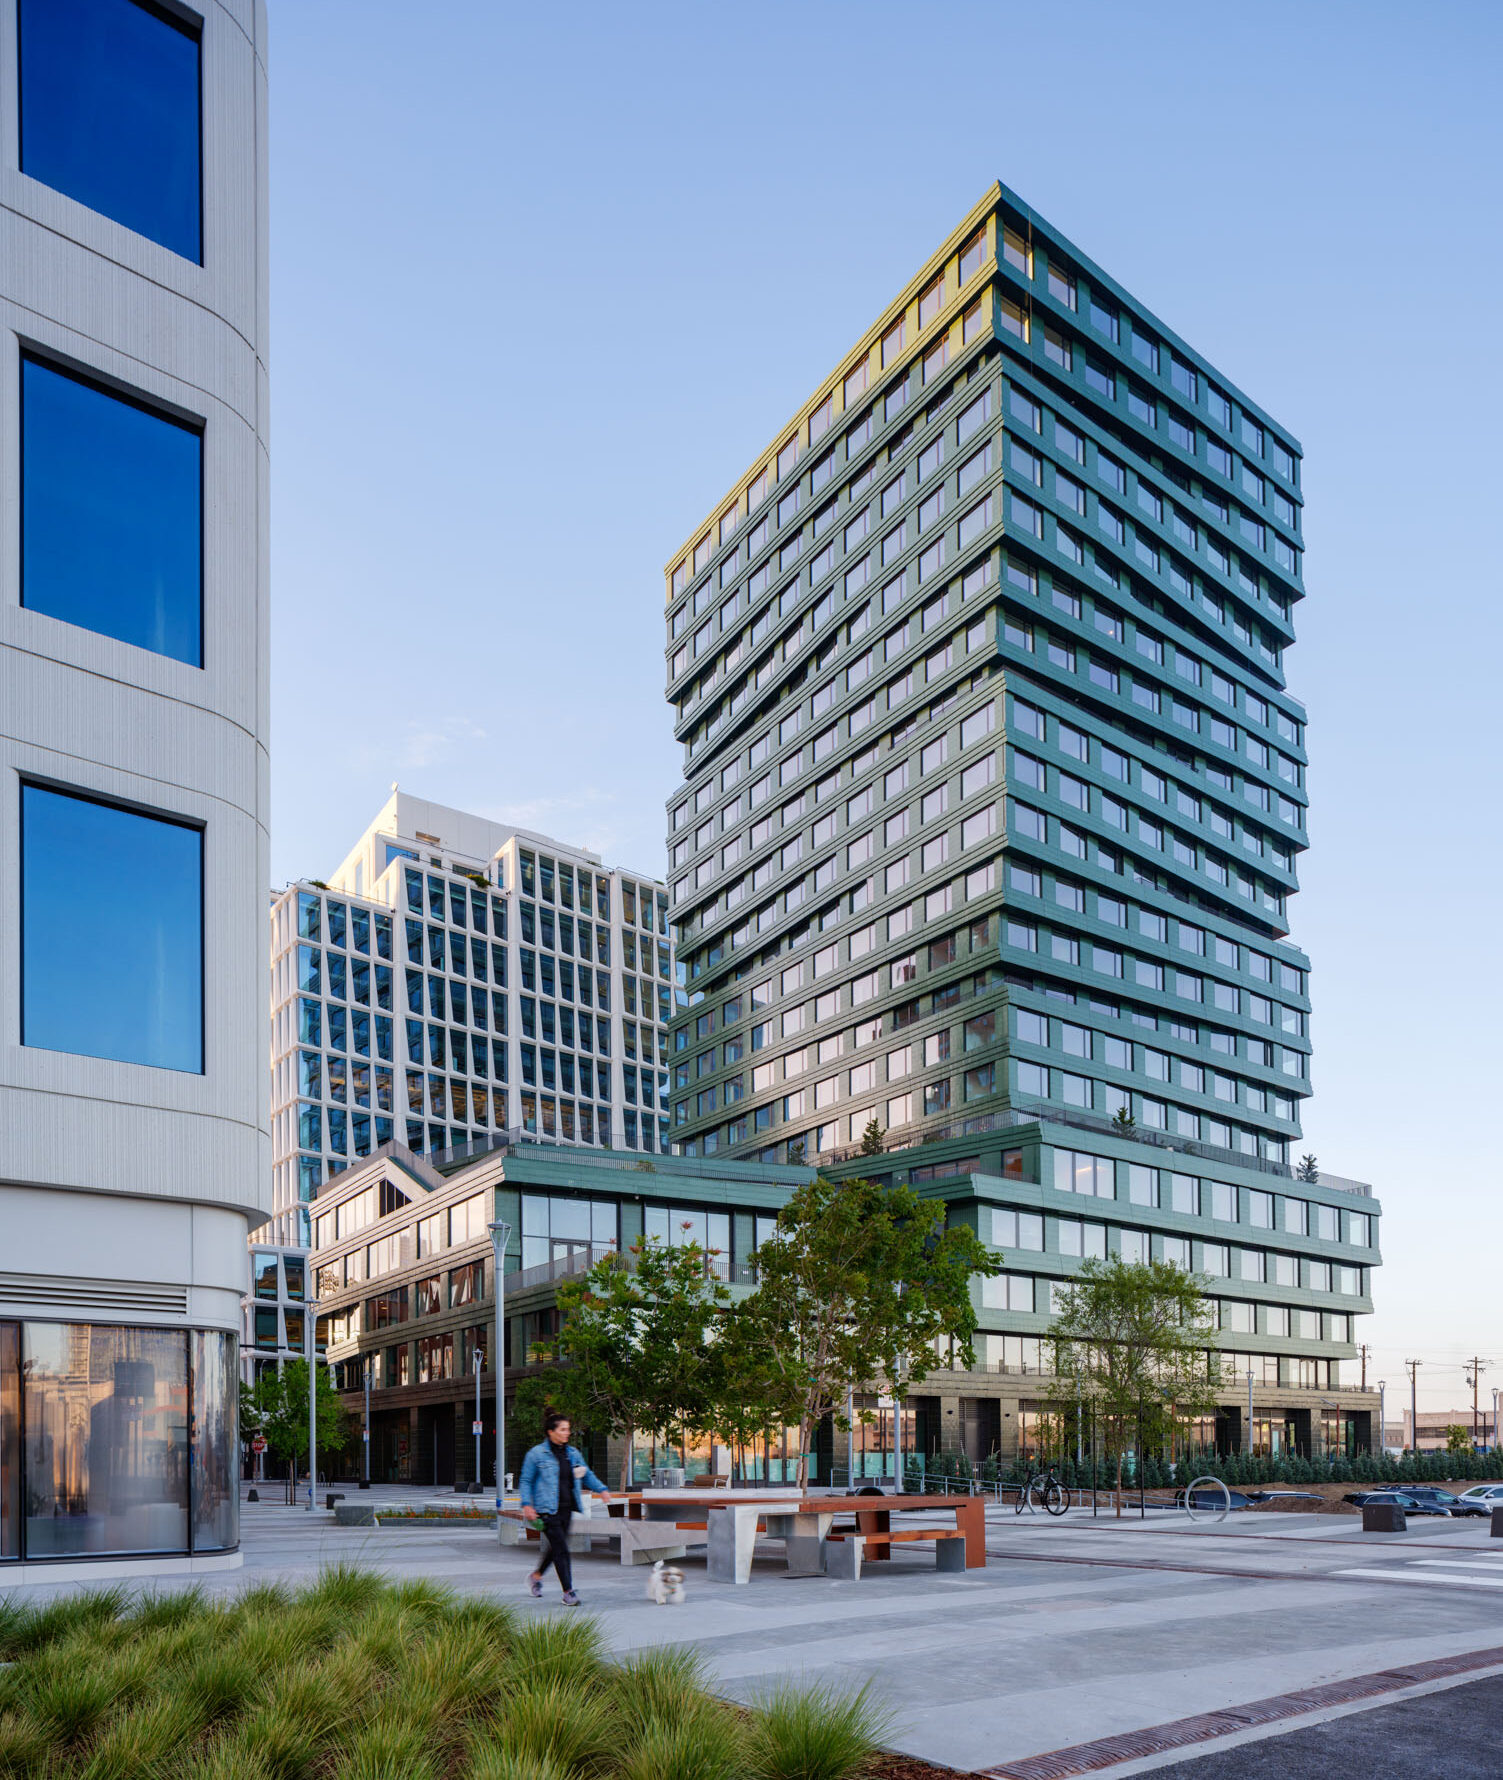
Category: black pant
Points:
column 556, row 1547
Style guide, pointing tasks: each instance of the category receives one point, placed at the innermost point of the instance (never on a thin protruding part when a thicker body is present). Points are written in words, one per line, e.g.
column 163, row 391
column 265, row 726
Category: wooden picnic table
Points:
column 874, row 1520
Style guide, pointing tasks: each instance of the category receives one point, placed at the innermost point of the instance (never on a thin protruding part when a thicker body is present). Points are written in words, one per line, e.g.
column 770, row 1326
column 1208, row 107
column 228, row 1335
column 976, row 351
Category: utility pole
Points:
column 1362, row 1352
column 1474, row 1370
column 1413, row 1366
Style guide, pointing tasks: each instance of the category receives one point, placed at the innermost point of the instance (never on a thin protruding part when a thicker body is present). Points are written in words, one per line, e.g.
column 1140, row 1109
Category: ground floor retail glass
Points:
column 117, row 1441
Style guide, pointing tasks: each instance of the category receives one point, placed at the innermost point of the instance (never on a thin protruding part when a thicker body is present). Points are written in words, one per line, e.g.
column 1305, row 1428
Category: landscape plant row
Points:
column 355, row 1678
column 1233, row 1468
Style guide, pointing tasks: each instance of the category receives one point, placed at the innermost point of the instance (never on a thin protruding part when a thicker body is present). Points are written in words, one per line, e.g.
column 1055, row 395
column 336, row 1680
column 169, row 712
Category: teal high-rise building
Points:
column 994, row 789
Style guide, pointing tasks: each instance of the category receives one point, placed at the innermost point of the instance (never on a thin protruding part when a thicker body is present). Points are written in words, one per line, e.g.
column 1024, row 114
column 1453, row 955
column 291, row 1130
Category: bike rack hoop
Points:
column 1226, row 1497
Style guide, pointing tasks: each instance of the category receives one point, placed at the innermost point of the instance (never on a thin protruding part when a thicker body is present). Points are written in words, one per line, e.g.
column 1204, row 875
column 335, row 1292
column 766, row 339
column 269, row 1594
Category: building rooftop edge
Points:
column 996, row 193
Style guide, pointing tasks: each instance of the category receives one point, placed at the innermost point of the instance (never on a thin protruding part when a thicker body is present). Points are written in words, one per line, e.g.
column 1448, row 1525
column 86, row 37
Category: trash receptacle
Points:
column 1498, row 1523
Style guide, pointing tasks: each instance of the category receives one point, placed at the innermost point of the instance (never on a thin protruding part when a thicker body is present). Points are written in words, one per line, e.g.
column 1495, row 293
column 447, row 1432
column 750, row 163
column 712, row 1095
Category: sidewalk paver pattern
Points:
column 1076, row 1631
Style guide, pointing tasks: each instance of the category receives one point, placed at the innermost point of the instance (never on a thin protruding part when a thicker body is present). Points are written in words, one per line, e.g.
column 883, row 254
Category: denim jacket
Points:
column 540, row 1478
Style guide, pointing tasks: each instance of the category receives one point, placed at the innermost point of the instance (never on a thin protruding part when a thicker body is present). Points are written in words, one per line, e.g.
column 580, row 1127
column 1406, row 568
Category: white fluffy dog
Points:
column 665, row 1586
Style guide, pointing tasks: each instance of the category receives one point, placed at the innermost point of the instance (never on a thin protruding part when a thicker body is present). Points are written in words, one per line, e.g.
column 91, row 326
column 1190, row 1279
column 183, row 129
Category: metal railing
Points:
column 1012, row 1117
column 583, row 1256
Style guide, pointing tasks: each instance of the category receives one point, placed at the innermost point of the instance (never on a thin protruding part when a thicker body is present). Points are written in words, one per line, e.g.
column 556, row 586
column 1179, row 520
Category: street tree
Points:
column 856, row 1287
column 1129, row 1342
column 636, row 1346
column 279, row 1402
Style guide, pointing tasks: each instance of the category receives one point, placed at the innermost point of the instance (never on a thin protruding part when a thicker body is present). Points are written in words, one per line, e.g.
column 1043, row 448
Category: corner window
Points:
column 111, row 932
column 111, row 514
column 110, row 113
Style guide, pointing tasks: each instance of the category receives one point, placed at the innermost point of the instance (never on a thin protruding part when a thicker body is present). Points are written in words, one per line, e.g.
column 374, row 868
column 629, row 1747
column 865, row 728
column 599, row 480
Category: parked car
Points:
column 1490, row 1495
column 1212, row 1499
column 1287, row 1496
column 1428, row 1493
column 1411, row 1504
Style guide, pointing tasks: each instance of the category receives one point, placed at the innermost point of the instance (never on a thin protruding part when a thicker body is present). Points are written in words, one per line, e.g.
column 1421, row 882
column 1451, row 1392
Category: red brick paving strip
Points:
column 1107, row 1752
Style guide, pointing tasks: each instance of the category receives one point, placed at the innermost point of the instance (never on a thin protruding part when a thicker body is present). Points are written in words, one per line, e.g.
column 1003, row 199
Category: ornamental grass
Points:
column 356, row 1678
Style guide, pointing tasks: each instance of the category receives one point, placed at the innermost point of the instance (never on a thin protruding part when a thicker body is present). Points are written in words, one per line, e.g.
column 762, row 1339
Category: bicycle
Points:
column 1042, row 1489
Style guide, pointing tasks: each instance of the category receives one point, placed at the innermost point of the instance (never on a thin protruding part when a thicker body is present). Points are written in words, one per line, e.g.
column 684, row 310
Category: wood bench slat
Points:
column 902, row 1537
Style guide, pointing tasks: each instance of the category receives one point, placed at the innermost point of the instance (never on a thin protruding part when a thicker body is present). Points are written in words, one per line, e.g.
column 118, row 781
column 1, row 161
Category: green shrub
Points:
column 816, row 1733
column 705, row 1747
column 561, row 1722
column 354, row 1679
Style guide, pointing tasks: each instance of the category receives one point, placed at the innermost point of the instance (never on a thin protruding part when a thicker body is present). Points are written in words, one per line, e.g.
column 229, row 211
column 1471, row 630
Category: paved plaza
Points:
column 1078, row 1632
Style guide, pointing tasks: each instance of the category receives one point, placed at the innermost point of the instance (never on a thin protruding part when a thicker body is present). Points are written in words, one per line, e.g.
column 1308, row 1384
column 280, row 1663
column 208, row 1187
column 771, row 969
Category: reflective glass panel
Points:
column 111, row 932
column 106, row 1417
column 111, row 515
column 10, row 1440
column 216, row 1441
column 110, row 113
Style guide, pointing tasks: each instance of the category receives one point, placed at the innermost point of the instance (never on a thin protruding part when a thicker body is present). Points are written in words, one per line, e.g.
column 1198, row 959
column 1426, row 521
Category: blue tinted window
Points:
column 110, row 113
column 111, row 514
column 111, row 932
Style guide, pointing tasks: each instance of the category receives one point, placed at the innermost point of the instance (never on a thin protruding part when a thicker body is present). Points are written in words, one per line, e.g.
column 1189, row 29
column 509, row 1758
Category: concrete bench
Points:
column 332, row 1498
column 638, row 1541
column 356, row 1514
column 949, row 1548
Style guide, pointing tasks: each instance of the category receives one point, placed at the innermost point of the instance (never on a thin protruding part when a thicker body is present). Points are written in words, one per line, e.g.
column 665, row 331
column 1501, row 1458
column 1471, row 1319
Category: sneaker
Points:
column 535, row 1587
column 570, row 1598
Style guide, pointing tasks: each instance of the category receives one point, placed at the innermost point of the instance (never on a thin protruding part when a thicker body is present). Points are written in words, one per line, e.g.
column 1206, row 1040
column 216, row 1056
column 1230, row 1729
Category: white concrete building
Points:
column 456, row 979
column 134, row 1123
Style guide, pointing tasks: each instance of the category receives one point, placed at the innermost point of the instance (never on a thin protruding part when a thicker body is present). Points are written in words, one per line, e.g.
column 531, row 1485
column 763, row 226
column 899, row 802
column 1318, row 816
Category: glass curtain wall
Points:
column 10, row 1440
column 128, row 1448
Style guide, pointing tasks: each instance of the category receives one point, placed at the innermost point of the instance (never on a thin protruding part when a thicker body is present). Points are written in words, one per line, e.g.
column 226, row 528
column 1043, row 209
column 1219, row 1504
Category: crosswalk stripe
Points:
column 1481, row 1563
column 1374, row 1575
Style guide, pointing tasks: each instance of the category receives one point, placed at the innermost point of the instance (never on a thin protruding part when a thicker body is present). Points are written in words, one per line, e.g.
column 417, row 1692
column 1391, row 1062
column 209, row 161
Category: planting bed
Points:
column 357, row 1679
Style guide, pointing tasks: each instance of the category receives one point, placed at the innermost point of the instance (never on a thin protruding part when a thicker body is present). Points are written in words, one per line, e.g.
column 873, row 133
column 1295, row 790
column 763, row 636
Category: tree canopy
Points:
column 856, row 1287
column 1130, row 1340
column 637, row 1342
column 279, row 1409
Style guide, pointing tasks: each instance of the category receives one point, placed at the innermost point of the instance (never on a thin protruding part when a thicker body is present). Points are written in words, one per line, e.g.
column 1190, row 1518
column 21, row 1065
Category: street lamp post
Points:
column 477, row 1415
column 365, row 1432
column 500, row 1236
column 310, row 1317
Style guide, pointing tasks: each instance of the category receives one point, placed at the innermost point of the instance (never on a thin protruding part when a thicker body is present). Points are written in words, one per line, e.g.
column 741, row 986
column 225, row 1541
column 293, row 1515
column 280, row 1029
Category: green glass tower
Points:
column 993, row 796
column 994, row 789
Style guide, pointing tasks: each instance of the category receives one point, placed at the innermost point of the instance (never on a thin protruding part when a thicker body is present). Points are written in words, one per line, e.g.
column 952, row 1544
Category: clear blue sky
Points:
column 544, row 279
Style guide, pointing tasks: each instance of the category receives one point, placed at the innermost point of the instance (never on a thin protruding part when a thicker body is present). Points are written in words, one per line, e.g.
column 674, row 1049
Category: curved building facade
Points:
column 134, row 1128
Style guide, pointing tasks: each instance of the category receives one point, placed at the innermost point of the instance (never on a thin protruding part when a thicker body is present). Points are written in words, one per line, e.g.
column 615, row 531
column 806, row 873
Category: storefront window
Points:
column 10, row 1441
column 106, row 1413
column 216, row 1442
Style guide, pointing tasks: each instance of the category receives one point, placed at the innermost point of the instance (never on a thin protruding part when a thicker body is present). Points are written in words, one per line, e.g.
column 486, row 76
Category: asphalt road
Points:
column 1455, row 1734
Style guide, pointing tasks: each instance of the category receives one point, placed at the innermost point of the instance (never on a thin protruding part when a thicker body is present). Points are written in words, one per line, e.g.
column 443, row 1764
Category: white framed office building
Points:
column 455, row 980
column 134, row 1118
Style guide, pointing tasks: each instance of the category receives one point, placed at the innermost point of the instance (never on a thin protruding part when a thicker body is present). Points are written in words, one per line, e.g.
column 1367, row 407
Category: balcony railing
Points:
column 583, row 1256
column 1012, row 1117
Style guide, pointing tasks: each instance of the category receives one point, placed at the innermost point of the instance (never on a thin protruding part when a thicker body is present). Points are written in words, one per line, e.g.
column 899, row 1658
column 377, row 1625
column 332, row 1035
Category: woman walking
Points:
column 552, row 1475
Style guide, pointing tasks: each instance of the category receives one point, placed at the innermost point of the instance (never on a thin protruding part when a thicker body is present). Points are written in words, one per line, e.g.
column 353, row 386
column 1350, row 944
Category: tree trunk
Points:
column 803, row 1456
column 1119, row 1482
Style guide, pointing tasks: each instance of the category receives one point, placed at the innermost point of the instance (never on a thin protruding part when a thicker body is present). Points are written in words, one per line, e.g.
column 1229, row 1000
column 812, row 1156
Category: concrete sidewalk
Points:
column 1075, row 1630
